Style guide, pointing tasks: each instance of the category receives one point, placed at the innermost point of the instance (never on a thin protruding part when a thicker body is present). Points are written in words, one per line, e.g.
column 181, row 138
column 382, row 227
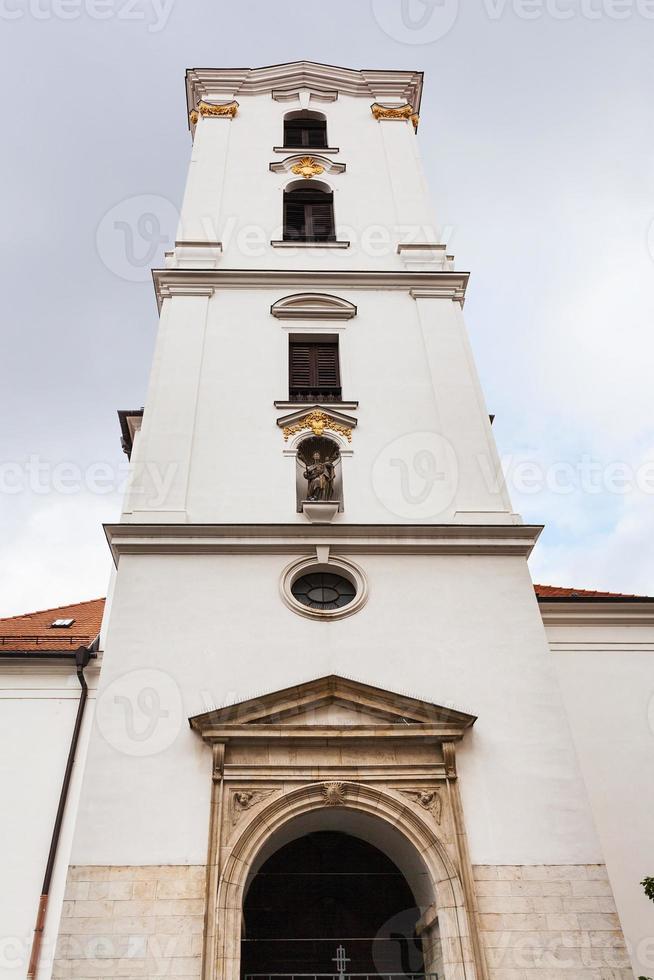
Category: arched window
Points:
column 309, row 214
column 305, row 129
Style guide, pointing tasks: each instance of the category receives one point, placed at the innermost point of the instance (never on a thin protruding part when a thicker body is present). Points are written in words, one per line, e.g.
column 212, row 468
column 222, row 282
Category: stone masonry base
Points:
column 549, row 922
column 131, row 922
column 538, row 922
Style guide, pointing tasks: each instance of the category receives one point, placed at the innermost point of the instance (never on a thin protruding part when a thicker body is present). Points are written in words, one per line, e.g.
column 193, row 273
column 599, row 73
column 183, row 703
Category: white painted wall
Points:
column 38, row 705
column 606, row 674
column 210, row 438
column 232, row 196
column 211, row 629
column 187, row 633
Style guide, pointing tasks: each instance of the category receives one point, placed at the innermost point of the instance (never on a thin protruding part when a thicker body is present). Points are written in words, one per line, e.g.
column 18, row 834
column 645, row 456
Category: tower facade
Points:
column 319, row 568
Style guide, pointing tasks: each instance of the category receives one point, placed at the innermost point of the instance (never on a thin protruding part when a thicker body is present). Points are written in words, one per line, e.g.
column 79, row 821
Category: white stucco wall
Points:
column 210, row 437
column 187, row 633
column 208, row 630
column 380, row 199
column 38, row 705
column 606, row 672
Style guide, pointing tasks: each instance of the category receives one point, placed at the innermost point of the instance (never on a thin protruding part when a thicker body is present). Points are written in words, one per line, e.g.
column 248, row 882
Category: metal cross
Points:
column 341, row 960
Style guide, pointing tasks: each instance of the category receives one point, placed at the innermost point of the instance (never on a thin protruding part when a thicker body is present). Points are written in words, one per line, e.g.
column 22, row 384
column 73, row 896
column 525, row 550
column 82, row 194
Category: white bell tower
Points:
column 317, row 532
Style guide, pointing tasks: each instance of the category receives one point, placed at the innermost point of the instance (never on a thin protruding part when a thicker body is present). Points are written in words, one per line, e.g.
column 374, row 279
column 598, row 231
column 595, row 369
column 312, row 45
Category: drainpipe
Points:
column 82, row 657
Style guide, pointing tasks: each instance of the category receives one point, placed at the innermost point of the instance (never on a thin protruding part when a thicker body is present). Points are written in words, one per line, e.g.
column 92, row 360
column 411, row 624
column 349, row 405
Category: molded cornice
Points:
column 439, row 285
column 626, row 611
column 328, row 81
column 299, row 539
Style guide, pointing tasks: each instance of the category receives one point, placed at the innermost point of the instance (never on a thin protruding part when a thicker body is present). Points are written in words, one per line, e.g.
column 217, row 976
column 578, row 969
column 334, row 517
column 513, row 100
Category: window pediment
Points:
column 307, row 165
column 317, row 419
column 313, row 306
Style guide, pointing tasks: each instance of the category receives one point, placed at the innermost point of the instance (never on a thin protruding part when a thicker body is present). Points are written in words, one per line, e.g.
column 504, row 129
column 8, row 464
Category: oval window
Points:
column 323, row 590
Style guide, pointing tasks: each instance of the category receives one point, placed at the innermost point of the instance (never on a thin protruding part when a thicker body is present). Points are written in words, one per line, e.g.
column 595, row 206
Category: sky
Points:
column 538, row 146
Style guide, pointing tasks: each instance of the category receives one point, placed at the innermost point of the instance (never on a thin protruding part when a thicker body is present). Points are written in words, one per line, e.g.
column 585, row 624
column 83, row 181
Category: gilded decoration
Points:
column 317, row 422
column 307, row 167
column 395, row 112
column 226, row 109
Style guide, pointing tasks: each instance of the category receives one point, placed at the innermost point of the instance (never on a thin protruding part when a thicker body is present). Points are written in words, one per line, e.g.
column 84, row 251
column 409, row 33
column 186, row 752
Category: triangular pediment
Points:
column 334, row 702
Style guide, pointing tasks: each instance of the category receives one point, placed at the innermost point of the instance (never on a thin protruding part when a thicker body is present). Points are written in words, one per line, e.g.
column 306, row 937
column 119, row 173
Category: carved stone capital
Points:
column 218, row 761
column 224, row 110
column 449, row 758
column 405, row 111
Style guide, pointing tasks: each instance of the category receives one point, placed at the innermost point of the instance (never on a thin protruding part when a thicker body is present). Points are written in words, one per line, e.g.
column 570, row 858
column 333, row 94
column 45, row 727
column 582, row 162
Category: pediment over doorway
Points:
column 334, row 705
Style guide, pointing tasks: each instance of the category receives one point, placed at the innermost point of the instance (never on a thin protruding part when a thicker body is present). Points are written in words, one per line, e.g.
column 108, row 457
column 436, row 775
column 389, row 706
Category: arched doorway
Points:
column 329, row 903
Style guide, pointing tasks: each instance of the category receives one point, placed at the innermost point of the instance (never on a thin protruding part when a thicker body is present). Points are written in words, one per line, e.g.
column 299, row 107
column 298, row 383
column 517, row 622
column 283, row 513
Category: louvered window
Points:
column 309, row 216
column 304, row 131
column 313, row 370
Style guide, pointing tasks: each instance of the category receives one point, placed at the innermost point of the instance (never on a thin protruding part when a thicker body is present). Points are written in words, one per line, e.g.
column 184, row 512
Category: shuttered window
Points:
column 304, row 131
column 313, row 369
column 309, row 216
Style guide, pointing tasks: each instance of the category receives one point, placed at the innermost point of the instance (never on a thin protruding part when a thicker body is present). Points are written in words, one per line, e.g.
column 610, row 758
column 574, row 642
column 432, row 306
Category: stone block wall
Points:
column 131, row 922
column 550, row 922
column 537, row 922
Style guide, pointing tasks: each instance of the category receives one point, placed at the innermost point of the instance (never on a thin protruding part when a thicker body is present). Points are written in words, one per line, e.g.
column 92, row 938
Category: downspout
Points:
column 82, row 657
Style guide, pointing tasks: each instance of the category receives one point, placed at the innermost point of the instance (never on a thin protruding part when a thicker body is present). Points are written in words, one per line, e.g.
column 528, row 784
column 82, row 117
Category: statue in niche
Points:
column 318, row 472
column 320, row 478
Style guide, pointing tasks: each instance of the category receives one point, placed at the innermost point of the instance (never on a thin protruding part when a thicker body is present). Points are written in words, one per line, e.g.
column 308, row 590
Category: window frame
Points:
column 310, row 199
column 317, row 387
column 305, row 124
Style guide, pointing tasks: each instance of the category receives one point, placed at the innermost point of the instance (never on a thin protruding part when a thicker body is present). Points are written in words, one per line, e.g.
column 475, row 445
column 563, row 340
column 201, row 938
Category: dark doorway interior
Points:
column 324, row 891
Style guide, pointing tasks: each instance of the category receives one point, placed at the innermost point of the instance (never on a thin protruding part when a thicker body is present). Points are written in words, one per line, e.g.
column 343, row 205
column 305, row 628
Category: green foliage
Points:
column 648, row 885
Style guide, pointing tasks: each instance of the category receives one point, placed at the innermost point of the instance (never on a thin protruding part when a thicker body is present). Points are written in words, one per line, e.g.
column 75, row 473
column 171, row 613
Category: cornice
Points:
column 300, row 539
column 437, row 284
column 597, row 612
column 327, row 81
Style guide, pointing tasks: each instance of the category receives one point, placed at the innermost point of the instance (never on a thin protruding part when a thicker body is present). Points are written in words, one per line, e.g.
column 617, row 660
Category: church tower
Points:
column 328, row 738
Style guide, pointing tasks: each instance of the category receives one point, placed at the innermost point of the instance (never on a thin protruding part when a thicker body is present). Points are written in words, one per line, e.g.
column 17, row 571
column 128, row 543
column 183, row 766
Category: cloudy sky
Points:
column 537, row 137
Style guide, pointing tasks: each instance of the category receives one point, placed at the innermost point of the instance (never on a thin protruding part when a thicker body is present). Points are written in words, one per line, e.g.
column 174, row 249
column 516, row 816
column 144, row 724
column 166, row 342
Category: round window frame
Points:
column 336, row 565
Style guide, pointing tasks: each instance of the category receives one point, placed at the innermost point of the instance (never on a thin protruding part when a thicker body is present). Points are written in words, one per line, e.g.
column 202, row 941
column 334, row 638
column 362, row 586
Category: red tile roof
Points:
column 557, row 592
column 34, row 631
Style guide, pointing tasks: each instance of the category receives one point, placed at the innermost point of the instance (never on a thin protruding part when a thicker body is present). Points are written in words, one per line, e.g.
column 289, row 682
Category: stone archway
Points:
column 446, row 912
column 329, row 901
column 340, row 754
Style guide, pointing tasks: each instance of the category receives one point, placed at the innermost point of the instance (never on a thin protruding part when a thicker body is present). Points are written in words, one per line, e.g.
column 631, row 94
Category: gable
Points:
column 333, row 702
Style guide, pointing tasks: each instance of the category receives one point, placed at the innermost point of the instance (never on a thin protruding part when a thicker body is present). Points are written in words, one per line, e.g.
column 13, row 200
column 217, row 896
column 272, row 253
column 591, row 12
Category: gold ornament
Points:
column 307, row 167
column 208, row 109
column 317, row 422
column 395, row 112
